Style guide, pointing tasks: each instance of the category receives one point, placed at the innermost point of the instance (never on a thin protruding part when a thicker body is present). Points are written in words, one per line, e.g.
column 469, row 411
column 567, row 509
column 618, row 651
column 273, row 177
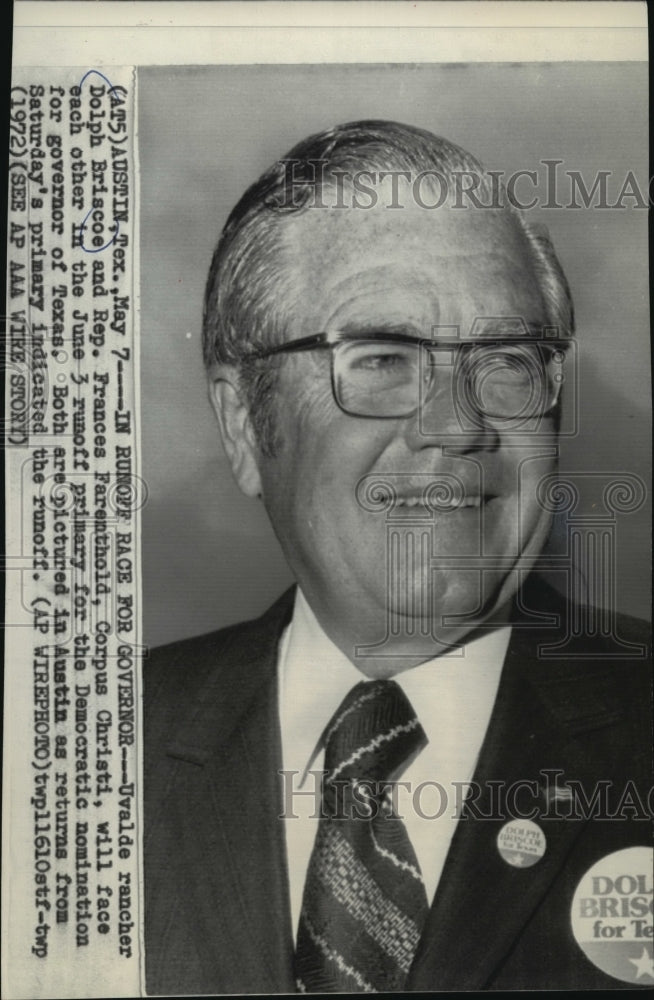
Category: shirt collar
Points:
column 315, row 676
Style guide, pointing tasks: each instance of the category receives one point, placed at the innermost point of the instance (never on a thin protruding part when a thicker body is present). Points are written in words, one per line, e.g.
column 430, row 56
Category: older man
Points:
column 386, row 340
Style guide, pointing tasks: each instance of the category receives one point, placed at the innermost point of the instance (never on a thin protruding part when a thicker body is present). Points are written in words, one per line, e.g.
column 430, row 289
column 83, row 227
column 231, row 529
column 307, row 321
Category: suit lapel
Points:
column 541, row 713
column 230, row 816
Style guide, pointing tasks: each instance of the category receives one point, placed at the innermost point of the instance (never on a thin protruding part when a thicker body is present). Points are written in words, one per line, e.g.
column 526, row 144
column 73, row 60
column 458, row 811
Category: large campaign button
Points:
column 612, row 915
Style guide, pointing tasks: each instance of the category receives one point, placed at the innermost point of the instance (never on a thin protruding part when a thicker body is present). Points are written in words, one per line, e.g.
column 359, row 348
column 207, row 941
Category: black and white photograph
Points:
column 332, row 634
column 424, row 373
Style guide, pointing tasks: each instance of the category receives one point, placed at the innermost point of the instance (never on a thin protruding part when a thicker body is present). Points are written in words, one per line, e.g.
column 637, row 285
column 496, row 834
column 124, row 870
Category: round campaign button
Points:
column 612, row 915
column 521, row 843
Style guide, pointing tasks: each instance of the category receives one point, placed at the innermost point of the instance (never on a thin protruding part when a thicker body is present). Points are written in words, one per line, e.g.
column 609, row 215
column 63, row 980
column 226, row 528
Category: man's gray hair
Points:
column 250, row 276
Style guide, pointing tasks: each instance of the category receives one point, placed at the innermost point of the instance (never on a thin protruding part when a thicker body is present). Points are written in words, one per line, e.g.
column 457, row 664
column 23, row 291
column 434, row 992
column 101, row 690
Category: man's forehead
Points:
column 327, row 233
column 445, row 266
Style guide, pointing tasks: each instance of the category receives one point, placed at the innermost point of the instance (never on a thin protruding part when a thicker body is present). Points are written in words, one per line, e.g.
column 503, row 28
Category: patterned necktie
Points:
column 364, row 902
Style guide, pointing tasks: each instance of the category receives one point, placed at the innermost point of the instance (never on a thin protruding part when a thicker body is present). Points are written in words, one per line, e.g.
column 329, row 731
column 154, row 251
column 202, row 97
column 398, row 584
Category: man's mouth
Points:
column 424, row 495
column 436, row 503
column 442, row 505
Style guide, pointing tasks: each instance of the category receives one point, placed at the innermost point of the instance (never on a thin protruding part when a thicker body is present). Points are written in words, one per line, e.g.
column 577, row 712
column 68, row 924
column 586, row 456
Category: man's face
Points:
column 408, row 270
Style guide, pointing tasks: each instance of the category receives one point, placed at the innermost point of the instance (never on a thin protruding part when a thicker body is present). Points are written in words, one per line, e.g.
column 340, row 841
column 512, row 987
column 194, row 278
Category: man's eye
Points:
column 513, row 364
column 378, row 362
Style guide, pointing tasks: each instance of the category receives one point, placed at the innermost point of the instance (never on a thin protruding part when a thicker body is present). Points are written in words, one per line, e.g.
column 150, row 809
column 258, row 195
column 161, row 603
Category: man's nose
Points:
column 440, row 420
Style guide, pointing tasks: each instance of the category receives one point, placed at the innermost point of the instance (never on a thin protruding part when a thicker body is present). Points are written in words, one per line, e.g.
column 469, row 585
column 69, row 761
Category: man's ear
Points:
column 236, row 430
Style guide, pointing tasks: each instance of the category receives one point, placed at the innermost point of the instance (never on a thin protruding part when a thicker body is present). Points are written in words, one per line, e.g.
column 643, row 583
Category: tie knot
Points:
column 373, row 734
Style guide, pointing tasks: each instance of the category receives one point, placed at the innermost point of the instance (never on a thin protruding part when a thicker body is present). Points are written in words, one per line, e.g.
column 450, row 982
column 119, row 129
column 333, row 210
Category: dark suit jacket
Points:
column 217, row 910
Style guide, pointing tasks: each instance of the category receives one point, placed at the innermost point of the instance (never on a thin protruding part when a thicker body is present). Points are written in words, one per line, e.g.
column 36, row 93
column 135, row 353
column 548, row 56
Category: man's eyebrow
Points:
column 493, row 327
column 499, row 327
column 363, row 328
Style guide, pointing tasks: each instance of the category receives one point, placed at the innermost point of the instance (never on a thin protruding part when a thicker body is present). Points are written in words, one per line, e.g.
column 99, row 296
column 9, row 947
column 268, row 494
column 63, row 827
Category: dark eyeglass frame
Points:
column 333, row 338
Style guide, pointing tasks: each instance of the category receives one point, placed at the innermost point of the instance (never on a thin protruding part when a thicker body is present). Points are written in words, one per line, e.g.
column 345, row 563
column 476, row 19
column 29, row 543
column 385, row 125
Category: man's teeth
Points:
column 473, row 501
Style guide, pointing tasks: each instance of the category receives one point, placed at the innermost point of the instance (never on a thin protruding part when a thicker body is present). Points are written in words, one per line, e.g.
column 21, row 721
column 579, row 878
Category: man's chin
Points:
column 444, row 595
column 445, row 608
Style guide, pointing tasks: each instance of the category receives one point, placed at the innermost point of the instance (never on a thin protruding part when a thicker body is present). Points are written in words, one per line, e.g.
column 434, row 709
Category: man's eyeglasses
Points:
column 393, row 375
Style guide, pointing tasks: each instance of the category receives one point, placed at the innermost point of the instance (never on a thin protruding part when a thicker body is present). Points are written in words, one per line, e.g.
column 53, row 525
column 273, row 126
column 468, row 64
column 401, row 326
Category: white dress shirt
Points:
column 452, row 695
